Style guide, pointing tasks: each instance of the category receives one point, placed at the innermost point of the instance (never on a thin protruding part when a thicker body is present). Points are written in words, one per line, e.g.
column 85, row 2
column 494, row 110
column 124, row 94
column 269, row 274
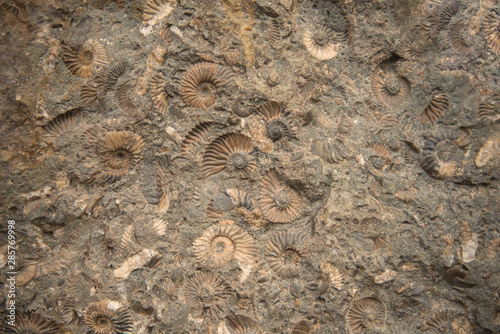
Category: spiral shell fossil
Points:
column 200, row 83
column 366, row 314
column 449, row 321
column 284, row 251
column 118, row 150
column 333, row 273
column 207, row 292
column 224, row 242
column 123, row 101
column 84, row 60
column 438, row 157
column 277, row 127
column 106, row 317
column 457, row 40
column 32, row 323
column 379, row 161
column 279, row 203
column 323, row 43
column 491, row 28
column 231, row 152
column 390, row 88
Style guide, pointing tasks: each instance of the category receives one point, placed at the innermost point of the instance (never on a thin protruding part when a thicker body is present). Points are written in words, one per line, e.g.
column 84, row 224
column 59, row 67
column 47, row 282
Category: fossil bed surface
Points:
column 248, row 166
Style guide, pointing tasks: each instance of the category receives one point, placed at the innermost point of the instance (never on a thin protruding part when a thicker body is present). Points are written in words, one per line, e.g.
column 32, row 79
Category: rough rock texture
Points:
column 355, row 167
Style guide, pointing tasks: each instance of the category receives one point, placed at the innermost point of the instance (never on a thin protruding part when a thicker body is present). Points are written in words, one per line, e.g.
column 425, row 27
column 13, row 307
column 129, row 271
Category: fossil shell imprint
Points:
column 107, row 317
column 366, row 314
column 232, row 152
column 279, row 203
column 201, row 81
column 284, row 251
column 208, row 292
column 224, row 242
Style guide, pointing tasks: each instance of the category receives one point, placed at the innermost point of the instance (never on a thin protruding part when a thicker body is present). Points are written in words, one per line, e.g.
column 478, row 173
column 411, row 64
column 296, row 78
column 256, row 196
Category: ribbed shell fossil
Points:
column 274, row 33
column 231, row 152
column 118, row 150
column 439, row 104
column 366, row 314
column 284, row 251
column 224, row 242
column 89, row 93
column 302, row 327
column 439, row 153
column 108, row 317
column 123, row 101
column 336, row 278
column 491, row 28
column 390, row 88
column 194, row 136
column 84, row 60
column 61, row 124
column 208, row 292
column 200, row 82
column 323, row 43
column 333, row 149
column 495, row 314
column 457, row 40
column 378, row 162
column 9, row 8
column 277, row 127
column 113, row 74
column 449, row 321
column 32, row 323
column 443, row 16
column 243, row 325
column 156, row 10
column 158, row 93
column 406, row 195
column 489, row 110
column 227, row 201
column 280, row 203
